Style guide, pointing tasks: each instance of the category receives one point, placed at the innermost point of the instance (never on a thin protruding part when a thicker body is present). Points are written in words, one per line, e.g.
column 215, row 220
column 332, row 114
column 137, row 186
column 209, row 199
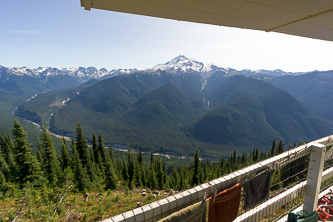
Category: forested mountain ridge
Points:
column 249, row 111
column 176, row 113
column 172, row 107
column 314, row 90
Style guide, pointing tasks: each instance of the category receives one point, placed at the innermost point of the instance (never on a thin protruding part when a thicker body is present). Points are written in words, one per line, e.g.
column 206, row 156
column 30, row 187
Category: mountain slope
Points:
column 169, row 113
column 102, row 105
column 315, row 90
column 189, row 105
column 159, row 114
column 21, row 84
column 249, row 112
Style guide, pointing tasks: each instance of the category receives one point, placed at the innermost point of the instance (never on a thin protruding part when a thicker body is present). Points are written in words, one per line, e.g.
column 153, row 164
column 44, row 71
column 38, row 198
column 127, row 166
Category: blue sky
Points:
column 62, row 34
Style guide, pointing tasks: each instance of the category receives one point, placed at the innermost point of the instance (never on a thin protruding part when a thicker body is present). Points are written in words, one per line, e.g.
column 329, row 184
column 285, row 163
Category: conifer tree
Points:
column 279, row 148
column 201, row 173
column 81, row 145
column 165, row 175
column 80, row 173
column 40, row 153
column 138, row 177
column 256, row 154
column 7, row 149
column 144, row 174
column 174, row 179
column 159, row 173
column 7, row 146
column 84, row 155
column 101, row 150
column 4, row 167
column 151, row 159
column 3, row 180
column 92, row 157
column 28, row 167
column 130, row 166
column 152, row 174
column 196, row 170
column 101, row 166
column 110, row 181
column 222, row 165
column 94, row 147
column 262, row 156
column 65, row 156
column 51, row 164
column 140, row 157
column 124, row 170
column 183, row 180
column 272, row 151
column 118, row 168
column 153, row 180
column 111, row 155
column 234, row 157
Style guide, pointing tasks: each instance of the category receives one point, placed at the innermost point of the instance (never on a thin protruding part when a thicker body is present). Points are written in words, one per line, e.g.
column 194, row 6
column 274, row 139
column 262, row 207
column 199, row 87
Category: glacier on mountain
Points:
column 180, row 64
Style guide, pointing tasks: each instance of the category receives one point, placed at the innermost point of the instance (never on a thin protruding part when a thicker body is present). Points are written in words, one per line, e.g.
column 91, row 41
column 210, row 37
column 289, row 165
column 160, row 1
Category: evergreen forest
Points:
column 46, row 185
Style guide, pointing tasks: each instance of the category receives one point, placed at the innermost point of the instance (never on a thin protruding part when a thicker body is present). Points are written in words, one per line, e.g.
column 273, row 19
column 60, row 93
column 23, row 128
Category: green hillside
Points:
column 16, row 90
column 247, row 112
column 175, row 113
column 314, row 90
column 131, row 109
column 40, row 108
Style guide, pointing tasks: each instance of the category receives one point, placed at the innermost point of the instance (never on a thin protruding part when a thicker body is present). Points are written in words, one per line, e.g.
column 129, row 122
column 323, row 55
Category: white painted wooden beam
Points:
column 315, row 169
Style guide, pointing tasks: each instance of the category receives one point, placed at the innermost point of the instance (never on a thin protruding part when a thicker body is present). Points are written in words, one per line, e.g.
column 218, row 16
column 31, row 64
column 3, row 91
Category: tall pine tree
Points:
column 28, row 167
column 80, row 173
column 7, row 148
column 94, row 147
column 65, row 156
column 110, row 180
column 272, row 151
column 84, row 155
column 196, row 170
column 130, row 167
column 279, row 148
column 51, row 164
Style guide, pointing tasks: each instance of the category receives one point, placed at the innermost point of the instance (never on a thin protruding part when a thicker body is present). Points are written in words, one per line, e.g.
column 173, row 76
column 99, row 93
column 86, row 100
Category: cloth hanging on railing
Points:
column 257, row 189
column 193, row 213
column 226, row 205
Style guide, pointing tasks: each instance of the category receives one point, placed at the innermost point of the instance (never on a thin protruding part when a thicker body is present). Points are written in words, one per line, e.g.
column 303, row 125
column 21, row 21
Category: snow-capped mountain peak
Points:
column 180, row 64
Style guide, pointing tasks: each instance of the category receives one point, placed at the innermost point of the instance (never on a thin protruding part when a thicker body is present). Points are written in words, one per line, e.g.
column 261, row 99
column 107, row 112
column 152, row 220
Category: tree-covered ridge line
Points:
column 93, row 168
column 174, row 113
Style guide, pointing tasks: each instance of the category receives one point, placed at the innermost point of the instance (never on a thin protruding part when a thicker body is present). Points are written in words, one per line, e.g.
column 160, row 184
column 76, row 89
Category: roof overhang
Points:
column 307, row 18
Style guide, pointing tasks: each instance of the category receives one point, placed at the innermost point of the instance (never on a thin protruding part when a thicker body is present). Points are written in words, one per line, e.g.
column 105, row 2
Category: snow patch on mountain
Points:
column 180, row 64
column 184, row 64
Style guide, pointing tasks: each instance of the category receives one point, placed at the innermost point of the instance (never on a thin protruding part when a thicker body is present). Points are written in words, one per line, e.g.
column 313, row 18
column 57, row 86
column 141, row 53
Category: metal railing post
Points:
column 312, row 189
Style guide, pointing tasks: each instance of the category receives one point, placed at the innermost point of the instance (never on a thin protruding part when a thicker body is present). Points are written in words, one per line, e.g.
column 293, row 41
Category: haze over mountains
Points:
column 176, row 106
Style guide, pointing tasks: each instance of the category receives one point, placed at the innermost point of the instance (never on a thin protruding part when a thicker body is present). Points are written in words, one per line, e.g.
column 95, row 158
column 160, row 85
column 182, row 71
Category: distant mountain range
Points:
column 180, row 64
column 176, row 106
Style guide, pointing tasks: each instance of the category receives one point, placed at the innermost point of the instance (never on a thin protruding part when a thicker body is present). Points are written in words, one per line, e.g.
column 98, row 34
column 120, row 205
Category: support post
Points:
column 312, row 189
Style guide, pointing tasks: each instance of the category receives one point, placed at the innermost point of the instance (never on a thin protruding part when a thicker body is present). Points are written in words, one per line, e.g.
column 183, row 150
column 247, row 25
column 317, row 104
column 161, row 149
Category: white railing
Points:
column 158, row 209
